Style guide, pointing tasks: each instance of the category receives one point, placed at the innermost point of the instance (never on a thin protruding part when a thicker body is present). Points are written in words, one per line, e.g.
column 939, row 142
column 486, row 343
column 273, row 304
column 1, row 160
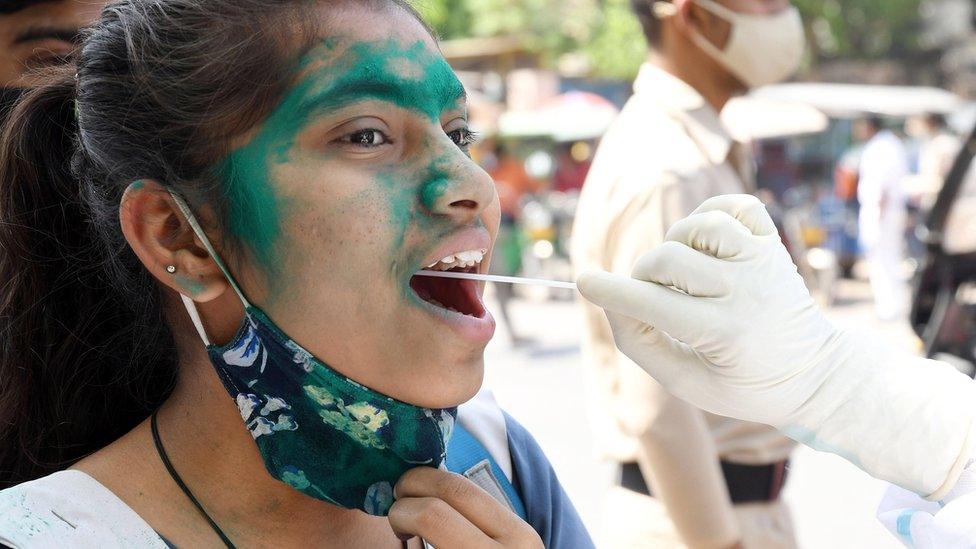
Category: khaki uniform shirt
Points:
column 665, row 154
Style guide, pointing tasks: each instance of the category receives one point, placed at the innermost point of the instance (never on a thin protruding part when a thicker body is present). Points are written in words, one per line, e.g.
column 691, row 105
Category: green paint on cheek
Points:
column 255, row 208
column 433, row 191
column 194, row 287
column 137, row 185
column 411, row 198
column 402, row 208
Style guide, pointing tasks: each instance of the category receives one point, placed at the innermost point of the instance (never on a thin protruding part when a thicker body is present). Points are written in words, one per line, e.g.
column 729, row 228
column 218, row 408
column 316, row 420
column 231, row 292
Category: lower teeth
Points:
column 442, row 306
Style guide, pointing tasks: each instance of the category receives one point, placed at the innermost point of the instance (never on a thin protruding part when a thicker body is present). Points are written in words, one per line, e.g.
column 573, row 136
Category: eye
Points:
column 367, row 138
column 463, row 137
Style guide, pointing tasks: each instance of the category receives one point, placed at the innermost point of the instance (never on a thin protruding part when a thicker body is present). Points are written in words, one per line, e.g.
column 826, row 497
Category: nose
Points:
column 458, row 189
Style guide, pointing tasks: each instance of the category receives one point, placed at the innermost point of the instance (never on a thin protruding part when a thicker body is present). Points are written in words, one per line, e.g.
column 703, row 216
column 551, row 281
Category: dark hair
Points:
column 162, row 87
column 650, row 23
column 873, row 121
column 936, row 120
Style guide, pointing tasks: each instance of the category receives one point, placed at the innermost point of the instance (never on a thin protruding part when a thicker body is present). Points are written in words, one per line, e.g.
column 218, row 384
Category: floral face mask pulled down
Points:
column 317, row 430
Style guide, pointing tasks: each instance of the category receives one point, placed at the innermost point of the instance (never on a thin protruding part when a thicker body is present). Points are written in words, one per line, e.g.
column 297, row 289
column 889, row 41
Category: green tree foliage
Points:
column 604, row 31
column 607, row 34
column 862, row 29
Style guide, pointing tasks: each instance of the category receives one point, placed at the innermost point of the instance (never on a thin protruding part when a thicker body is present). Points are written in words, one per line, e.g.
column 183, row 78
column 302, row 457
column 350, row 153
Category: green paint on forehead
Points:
column 410, row 76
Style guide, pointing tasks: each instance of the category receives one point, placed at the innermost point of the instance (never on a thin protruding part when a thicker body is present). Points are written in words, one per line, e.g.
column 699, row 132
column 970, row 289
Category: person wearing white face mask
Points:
column 687, row 478
column 719, row 316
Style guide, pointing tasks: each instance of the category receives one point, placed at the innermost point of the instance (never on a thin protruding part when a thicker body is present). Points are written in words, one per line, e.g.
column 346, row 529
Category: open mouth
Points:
column 453, row 295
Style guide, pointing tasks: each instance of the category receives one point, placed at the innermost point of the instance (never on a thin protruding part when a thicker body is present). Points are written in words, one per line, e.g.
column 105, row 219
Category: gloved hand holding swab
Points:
column 721, row 318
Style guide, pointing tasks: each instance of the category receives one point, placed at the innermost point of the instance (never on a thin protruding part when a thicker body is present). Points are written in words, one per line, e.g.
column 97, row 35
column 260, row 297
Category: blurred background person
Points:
column 513, row 184
column 938, row 148
column 883, row 169
column 573, row 161
column 37, row 34
column 687, row 478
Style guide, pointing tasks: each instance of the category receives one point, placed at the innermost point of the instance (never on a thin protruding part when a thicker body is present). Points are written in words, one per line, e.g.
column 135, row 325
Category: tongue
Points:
column 460, row 295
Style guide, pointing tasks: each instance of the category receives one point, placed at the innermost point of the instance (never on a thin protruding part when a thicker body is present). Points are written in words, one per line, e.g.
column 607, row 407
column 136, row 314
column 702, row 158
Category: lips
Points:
column 457, row 302
column 456, row 296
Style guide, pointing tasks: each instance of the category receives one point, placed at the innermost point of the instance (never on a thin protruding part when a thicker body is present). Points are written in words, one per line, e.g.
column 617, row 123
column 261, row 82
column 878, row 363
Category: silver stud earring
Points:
column 171, row 269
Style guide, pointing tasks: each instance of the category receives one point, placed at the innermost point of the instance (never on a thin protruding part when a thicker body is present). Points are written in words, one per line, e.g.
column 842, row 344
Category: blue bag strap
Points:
column 466, row 455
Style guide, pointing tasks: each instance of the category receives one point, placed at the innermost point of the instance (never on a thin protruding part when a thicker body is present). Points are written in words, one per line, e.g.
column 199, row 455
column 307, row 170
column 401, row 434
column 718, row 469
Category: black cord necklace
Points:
column 186, row 490
column 179, row 482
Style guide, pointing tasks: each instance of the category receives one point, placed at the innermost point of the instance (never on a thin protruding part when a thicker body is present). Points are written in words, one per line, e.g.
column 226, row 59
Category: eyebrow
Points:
column 383, row 89
column 38, row 33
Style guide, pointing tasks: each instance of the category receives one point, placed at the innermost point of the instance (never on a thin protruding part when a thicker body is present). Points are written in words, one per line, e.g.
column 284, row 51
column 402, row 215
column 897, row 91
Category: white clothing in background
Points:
column 634, row 521
column 880, row 190
column 934, row 162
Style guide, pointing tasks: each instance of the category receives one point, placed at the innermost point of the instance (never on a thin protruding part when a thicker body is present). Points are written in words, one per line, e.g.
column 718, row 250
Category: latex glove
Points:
column 927, row 525
column 721, row 318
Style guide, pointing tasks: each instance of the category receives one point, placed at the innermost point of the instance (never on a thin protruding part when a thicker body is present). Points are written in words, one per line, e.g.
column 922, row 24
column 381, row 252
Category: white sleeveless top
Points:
column 71, row 509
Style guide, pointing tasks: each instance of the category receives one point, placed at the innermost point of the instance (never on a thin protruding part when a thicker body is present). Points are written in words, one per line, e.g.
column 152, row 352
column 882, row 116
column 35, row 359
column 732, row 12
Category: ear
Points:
column 685, row 16
column 162, row 239
column 689, row 18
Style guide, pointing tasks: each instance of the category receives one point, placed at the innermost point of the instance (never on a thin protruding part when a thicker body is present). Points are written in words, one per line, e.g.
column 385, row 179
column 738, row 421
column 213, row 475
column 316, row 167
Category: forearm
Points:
column 903, row 419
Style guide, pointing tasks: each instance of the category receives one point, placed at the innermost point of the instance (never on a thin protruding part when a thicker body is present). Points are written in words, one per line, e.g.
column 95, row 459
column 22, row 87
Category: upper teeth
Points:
column 461, row 259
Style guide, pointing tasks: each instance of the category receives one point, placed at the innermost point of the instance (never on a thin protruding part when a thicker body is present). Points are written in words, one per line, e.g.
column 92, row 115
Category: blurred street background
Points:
column 547, row 77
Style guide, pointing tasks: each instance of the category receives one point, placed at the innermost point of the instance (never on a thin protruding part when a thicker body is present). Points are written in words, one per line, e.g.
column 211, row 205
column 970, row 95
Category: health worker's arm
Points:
column 676, row 449
column 722, row 301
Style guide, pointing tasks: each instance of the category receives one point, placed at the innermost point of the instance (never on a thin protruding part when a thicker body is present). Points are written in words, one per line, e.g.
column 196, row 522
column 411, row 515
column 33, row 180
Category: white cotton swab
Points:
column 500, row 279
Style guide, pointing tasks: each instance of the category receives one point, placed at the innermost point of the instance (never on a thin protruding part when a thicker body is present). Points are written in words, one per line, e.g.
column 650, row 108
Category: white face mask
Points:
column 763, row 49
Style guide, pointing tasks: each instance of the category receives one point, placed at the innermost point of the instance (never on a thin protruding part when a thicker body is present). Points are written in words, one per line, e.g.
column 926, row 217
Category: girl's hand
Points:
column 449, row 511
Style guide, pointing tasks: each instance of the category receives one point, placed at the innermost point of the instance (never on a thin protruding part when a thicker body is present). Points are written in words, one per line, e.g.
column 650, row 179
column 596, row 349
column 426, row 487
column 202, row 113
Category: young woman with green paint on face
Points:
column 276, row 205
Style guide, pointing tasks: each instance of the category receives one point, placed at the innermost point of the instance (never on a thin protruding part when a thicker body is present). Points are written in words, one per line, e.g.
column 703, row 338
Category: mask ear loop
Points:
column 191, row 307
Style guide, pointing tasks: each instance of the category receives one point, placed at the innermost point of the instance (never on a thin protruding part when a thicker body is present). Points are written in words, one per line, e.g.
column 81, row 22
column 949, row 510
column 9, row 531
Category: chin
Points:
column 457, row 382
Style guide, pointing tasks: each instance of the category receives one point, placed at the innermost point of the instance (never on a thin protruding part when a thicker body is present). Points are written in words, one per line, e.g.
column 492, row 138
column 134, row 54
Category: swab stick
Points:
column 500, row 279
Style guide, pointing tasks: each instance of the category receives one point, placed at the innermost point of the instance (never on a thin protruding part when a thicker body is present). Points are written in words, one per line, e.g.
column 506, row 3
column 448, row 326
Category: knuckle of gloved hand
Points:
column 755, row 212
column 715, row 219
column 745, row 202
column 649, row 263
column 669, row 250
column 712, row 226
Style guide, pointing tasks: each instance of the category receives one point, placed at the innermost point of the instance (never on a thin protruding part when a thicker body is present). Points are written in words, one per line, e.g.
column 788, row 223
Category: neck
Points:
column 686, row 61
column 216, row 457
